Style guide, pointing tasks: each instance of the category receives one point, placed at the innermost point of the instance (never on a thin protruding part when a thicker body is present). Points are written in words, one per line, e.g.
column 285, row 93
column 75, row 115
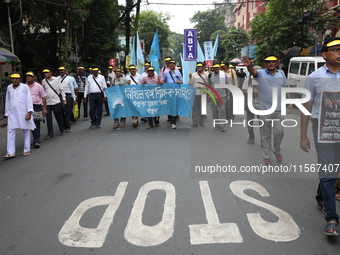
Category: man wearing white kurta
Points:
column 19, row 110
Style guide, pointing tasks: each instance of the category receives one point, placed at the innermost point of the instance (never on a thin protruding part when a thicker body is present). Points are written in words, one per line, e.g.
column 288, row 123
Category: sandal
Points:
column 115, row 126
column 148, row 127
column 332, row 225
column 8, row 156
column 250, row 141
column 26, row 153
column 36, row 145
column 121, row 126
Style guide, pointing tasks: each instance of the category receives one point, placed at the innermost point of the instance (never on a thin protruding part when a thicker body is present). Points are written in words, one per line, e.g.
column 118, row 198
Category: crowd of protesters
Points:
column 28, row 104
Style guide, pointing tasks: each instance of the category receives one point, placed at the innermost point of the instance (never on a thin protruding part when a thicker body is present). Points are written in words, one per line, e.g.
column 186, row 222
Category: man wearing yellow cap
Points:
column 18, row 111
column 152, row 78
column 111, row 73
column 39, row 104
column 69, row 85
column 172, row 76
column 134, row 78
column 55, row 100
column 268, row 79
column 326, row 78
column 95, row 92
column 118, row 81
column 81, row 82
column 197, row 79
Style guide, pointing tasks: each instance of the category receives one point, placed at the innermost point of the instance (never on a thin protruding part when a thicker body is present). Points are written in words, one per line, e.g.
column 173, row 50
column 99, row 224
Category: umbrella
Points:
column 6, row 56
column 292, row 52
column 311, row 50
column 236, row 60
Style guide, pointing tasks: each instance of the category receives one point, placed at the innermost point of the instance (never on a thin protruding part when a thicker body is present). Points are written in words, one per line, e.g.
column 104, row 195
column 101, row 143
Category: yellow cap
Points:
column 172, row 61
column 90, row 68
column 118, row 70
column 222, row 64
column 179, row 67
column 333, row 43
column 95, row 69
column 151, row 68
column 81, row 67
column 271, row 58
column 132, row 67
column 15, row 75
column 199, row 64
column 61, row 68
column 216, row 66
column 167, row 59
column 147, row 64
column 46, row 71
column 29, row 73
column 110, row 67
column 231, row 66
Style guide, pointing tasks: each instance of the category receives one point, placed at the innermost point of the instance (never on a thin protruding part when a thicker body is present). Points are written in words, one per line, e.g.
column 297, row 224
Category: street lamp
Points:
column 10, row 24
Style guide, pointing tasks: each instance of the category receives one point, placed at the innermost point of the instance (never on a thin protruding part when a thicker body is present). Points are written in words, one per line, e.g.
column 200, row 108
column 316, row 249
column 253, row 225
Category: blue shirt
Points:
column 320, row 80
column 267, row 82
column 170, row 77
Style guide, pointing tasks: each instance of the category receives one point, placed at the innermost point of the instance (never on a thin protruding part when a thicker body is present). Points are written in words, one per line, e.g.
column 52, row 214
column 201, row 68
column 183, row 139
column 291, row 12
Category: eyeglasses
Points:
column 336, row 50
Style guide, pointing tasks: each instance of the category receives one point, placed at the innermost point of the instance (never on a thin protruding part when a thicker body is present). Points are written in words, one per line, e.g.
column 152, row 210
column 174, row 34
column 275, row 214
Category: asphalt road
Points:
column 138, row 191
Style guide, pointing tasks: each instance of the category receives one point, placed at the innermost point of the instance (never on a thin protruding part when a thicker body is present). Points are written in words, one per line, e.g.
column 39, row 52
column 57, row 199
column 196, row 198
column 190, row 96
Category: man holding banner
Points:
column 325, row 80
column 134, row 78
column 173, row 76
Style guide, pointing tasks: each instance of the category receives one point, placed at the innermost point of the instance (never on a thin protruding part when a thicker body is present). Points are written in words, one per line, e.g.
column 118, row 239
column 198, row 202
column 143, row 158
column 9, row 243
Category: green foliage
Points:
column 149, row 21
column 176, row 46
column 208, row 22
column 231, row 41
column 287, row 23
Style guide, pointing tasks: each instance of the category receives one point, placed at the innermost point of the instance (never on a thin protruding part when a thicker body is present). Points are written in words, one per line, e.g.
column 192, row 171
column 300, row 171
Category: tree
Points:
column 208, row 22
column 229, row 40
column 287, row 23
column 149, row 21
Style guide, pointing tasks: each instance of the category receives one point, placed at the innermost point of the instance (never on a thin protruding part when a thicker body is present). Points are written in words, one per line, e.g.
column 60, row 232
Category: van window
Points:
column 311, row 68
column 320, row 64
column 294, row 68
column 303, row 69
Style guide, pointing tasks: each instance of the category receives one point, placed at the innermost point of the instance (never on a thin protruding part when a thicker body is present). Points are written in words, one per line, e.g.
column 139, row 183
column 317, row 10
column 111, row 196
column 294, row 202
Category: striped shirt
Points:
column 320, row 80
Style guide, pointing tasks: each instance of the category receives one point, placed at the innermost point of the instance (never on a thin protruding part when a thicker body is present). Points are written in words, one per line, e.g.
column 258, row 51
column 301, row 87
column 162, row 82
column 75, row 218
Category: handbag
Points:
column 38, row 116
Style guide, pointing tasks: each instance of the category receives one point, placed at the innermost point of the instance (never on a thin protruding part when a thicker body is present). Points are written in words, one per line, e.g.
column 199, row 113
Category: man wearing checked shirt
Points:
column 172, row 76
column 326, row 78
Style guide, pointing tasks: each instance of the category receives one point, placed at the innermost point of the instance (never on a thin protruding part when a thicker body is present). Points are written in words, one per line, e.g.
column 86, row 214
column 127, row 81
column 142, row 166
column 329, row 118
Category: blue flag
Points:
column 150, row 100
column 155, row 52
column 200, row 55
column 215, row 46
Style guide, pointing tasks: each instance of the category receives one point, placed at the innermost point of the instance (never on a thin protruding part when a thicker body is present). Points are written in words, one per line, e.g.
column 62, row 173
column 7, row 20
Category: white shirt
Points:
column 52, row 98
column 138, row 78
column 112, row 75
column 92, row 87
column 68, row 85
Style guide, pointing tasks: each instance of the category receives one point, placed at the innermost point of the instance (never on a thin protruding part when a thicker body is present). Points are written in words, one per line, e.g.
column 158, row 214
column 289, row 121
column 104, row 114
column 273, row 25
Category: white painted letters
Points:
column 284, row 230
column 139, row 234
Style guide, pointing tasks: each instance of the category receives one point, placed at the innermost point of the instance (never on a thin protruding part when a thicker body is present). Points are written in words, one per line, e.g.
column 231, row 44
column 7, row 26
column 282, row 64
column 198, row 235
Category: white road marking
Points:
column 72, row 234
column 284, row 230
column 214, row 231
column 139, row 234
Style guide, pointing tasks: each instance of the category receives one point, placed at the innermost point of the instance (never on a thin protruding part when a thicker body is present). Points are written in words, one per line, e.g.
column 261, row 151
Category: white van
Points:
column 301, row 67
